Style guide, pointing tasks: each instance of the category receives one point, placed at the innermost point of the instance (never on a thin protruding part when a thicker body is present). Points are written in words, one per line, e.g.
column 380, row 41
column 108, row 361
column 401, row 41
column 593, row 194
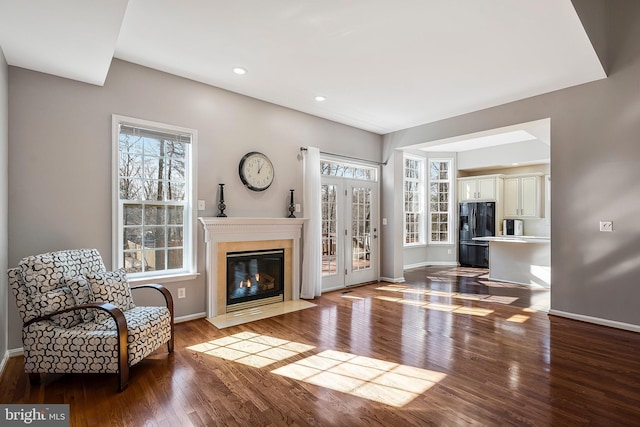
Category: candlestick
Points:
column 221, row 205
column 292, row 207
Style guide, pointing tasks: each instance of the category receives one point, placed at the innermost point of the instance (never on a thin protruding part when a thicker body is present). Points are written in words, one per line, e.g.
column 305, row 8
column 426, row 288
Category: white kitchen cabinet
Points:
column 522, row 196
column 478, row 188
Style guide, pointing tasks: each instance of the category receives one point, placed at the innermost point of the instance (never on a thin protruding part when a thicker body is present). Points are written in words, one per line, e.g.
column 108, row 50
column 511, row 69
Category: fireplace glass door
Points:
column 254, row 276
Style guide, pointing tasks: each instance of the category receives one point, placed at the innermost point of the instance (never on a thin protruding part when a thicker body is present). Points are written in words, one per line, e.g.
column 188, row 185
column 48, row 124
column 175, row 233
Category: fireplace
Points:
column 254, row 278
column 234, row 235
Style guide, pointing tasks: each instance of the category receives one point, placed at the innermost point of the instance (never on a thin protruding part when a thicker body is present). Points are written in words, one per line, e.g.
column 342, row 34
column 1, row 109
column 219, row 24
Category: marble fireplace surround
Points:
column 224, row 235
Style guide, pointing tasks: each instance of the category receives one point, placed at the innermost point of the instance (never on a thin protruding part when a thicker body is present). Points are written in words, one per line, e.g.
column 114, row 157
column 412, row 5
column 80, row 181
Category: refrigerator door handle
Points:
column 472, row 221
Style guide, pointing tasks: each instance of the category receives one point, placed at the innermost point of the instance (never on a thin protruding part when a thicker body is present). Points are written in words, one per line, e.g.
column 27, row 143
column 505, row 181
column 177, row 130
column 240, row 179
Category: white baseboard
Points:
column 596, row 320
column 8, row 355
column 389, row 279
column 13, row 352
column 190, row 317
column 431, row 264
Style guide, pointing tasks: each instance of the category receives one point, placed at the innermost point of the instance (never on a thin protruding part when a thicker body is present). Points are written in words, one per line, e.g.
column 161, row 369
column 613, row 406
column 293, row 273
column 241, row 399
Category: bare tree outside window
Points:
column 362, row 223
column 413, row 200
column 152, row 175
column 439, row 201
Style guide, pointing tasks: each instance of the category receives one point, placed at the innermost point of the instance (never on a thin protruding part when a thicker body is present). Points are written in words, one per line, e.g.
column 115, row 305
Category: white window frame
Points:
column 421, row 205
column 189, row 270
column 450, row 181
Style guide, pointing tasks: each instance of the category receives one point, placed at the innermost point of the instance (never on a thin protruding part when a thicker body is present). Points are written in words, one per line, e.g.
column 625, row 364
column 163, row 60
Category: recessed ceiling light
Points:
column 320, row 98
column 240, row 70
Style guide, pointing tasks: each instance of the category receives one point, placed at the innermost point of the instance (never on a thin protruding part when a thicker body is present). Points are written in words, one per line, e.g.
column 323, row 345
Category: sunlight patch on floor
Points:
column 452, row 308
column 443, row 307
column 251, row 349
column 353, row 297
column 501, row 299
column 385, row 382
column 464, row 296
column 474, row 311
column 518, row 318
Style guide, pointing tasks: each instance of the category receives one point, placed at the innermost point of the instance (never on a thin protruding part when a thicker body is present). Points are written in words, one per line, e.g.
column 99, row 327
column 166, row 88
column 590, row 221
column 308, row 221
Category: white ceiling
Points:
column 515, row 145
column 382, row 65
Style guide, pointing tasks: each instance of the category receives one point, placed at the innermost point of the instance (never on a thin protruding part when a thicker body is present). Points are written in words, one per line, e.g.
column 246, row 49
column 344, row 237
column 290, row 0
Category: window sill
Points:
column 415, row 245
column 170, row 278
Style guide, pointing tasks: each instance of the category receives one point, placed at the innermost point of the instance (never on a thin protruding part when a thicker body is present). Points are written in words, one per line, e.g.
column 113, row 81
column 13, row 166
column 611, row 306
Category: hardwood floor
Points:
column 446, row 348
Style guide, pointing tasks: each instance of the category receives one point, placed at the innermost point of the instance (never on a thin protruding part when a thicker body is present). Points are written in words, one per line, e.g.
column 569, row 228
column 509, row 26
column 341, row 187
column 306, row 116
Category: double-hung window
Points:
column 154, row 189
column 413, row 200
column 440, row 207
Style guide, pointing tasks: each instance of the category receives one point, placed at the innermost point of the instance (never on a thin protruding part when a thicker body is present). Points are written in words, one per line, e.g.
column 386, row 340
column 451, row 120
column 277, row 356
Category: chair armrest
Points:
column 168, row 298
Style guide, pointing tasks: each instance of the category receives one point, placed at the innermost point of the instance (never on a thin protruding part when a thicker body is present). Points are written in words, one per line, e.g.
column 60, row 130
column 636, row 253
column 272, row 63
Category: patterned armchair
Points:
column 79, row 318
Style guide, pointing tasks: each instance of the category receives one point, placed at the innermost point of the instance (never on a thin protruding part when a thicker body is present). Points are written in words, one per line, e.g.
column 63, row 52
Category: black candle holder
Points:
column 221, row 205
column 292, row 207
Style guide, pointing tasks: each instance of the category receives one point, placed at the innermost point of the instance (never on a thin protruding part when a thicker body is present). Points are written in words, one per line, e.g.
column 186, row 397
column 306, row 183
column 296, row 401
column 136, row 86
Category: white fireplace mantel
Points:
column 218, row 230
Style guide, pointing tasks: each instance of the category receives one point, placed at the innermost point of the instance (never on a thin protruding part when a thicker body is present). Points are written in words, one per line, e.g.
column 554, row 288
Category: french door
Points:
column 349, row 232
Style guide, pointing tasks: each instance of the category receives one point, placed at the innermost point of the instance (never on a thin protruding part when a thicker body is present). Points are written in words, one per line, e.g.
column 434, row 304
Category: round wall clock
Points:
column 256, row 171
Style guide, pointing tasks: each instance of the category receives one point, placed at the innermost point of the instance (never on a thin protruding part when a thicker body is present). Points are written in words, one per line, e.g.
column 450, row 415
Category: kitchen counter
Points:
column 515, row 239
column 520, row 259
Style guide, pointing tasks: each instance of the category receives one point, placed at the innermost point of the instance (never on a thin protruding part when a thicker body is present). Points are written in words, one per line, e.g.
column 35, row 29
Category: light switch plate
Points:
column 606, row 225
column 201, row 205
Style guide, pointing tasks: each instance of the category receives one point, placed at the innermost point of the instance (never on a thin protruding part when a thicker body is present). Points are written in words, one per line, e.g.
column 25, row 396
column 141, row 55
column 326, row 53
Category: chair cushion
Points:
column 81, row 294
column 92, row 347
column 149, row 328
column 110, row 286
column 43, row 273
column 58, row 299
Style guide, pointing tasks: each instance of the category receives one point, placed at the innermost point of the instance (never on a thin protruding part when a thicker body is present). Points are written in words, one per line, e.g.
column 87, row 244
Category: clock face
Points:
column 256, row 171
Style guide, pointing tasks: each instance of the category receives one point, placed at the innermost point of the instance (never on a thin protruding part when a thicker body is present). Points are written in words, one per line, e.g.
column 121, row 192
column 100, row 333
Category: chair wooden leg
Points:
column 123, row 378
column 34, row 379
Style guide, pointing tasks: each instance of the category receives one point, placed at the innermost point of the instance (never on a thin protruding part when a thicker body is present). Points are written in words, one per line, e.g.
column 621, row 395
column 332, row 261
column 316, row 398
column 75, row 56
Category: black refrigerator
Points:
column 477, row 219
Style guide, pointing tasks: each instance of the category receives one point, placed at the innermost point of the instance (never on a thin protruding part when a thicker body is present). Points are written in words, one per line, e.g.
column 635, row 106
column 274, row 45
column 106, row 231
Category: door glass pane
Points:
column 360, row 228
column 329, row 218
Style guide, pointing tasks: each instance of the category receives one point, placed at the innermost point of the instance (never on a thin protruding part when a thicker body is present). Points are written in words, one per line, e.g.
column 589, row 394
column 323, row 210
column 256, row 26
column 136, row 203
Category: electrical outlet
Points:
column 201, row 205
column 182, row 292
column 449, row 251
column 606, row 225
column 297, row 207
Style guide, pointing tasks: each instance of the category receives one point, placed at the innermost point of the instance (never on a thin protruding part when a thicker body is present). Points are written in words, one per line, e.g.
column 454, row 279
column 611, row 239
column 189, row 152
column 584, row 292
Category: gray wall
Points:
column 595, row 168
column 60, row 157
column 4, row 147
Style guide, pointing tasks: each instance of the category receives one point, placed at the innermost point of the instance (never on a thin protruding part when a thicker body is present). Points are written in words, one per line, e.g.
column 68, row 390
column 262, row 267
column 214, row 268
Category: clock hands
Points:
column 260, row 167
